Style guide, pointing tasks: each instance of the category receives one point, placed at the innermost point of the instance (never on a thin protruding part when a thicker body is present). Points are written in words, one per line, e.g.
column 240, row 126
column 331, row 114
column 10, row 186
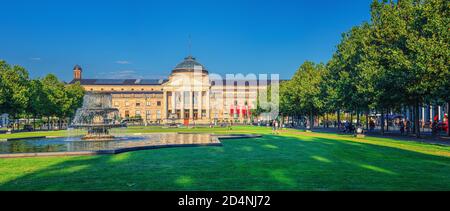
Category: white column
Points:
column 191, row 105
column 439, row 113
column 423, row 116
column 200, row 102
column 173, row 103
column 166, row 106
column 208, row 107
column 182, row 105
column 431, row 113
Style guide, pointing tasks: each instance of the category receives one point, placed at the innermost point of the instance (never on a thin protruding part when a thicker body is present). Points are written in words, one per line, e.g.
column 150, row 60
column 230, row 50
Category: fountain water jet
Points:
column 97, row 116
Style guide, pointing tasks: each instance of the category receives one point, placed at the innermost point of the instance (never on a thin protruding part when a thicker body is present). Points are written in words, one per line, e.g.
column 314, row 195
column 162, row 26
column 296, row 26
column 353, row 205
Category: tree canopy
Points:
column 400, row 58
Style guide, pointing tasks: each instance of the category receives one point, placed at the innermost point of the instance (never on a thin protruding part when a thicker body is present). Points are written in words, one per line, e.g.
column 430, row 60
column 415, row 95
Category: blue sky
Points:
column 123, row 39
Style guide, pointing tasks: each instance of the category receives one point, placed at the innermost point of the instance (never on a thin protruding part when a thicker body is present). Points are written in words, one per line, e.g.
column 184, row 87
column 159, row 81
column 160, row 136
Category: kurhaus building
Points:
column 189, row 96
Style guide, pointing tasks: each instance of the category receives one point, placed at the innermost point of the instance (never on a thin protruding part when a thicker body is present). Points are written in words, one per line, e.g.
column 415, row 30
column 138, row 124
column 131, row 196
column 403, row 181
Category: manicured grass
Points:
column 290, row 161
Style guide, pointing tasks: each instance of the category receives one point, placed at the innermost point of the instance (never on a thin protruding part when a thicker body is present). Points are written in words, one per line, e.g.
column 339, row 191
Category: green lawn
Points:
column 291, row 161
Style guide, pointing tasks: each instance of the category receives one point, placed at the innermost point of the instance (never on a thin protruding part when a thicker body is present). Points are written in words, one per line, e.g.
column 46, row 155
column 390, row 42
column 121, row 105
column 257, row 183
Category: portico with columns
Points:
column 186, row 94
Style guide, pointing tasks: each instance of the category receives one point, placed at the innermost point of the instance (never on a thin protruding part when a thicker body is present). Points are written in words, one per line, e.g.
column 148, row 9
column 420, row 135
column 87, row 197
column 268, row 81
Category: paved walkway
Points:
column 426, row 136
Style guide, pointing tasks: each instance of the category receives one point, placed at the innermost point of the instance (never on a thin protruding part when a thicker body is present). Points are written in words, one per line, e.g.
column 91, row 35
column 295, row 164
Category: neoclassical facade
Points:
column 190, row 95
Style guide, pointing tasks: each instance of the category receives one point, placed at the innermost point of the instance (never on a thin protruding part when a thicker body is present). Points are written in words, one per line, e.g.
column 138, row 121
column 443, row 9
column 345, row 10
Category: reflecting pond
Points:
column 75, row 144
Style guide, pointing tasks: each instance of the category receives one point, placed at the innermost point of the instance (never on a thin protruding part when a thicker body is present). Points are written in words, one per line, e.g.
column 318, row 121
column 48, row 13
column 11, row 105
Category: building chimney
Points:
column 77, row 72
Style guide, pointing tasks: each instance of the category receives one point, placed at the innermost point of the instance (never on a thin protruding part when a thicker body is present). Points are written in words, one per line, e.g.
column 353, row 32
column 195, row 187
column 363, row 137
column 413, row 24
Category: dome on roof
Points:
column 189, row 64
column 77, row 67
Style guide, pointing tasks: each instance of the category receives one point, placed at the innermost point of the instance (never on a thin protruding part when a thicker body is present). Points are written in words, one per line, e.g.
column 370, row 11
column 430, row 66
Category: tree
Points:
column 412, row 40
column 429, row 42
column 14, row 89
column 74, row 94
column 38, row 100
column 2, row 87
column 352, row 72
column 307, row 86
column 54, row 90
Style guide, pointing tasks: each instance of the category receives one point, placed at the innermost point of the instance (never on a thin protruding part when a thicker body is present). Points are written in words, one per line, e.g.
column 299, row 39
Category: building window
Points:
column 127, row 103
column 203, row 114
column 138, row 113
column 138, row 104
column 112, row 89
column 116, row 104
column 158, row 103
column 158, row 114
column 142, row 89
column 122, row 89
column 127, row 114
column 148, row 115
column 132, row 89
column 149, row 103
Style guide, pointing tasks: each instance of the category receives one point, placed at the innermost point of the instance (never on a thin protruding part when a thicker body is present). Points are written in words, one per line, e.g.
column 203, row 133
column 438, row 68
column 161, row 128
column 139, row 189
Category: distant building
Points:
column 188, row 96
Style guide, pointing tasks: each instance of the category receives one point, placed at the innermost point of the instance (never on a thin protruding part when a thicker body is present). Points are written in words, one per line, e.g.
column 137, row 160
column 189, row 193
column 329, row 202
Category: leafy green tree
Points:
column 412, row 43
column 14, row 89
column 2, row 86
column 54, row 90
column 429, row 43
column 38, row 100
column 307, row 86
column 353, row 71
column 74, row 94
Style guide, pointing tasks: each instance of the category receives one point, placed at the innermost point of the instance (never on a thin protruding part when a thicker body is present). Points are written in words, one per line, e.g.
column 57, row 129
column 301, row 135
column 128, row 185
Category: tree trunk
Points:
column 34, row 122
column 311, row 120
column 382, row 122
column 351, row 117
column 339, row 119
column 416, row 119
column 411, row 111
column 367, row 120
column 387, row 120
column 48, row 123
column 357, row 117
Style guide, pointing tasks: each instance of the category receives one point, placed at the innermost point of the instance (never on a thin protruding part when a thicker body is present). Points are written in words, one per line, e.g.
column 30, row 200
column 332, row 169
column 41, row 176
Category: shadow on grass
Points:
column 268, row 163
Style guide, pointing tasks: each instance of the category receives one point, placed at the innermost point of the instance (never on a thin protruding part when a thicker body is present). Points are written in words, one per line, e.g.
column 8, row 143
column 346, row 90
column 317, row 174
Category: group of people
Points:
column 276, row 127
column 349, row 127
column 405, row 126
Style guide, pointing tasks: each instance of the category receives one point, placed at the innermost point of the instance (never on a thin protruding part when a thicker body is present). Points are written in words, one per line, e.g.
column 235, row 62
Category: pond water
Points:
column 75, row 144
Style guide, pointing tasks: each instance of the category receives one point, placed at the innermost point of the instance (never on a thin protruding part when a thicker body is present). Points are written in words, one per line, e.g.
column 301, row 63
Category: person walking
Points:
column 276, row 127
column 402, row 127
column 408, row 126
column 372, row 125
column 434, row 127
column 273, row 126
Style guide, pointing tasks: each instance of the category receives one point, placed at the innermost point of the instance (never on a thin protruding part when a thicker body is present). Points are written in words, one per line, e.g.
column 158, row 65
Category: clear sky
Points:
column 146, row 39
